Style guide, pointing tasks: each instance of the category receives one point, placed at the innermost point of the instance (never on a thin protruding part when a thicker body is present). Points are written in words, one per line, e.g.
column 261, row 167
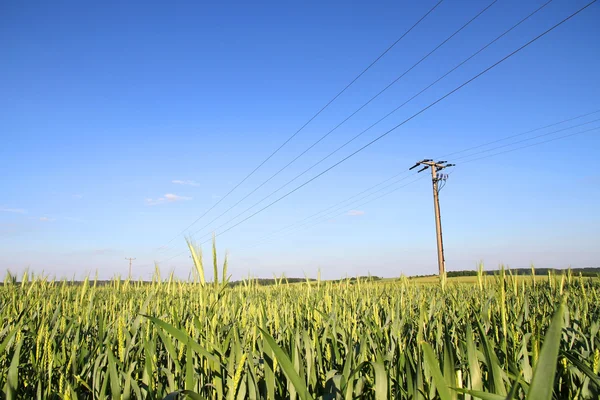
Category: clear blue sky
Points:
column 103, row 106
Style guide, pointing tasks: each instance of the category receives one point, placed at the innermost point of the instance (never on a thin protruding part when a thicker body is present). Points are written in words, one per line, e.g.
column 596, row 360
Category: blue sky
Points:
column 122, row 123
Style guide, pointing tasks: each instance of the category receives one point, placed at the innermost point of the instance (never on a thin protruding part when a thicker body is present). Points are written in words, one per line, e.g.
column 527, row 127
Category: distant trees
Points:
column 590, row 272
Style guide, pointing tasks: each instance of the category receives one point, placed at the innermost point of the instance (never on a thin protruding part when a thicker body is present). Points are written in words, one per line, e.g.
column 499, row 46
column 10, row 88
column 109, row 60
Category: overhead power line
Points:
column 411, row 117
column 366, row 130
column 519, row 134
column 371, row 126
column 322, row 219
column 335, row 214
column 299, row 225
column 396, row 80
column 309, row 120
column 525, row 140
column 305, row 223
column 343, row 203
column 392, row 177
column 407, row 120
column 531, row 145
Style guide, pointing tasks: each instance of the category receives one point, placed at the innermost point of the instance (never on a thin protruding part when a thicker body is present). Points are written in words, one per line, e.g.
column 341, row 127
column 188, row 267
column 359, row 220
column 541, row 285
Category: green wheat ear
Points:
column 196, row 253
column 349, row 339
column 215, row 261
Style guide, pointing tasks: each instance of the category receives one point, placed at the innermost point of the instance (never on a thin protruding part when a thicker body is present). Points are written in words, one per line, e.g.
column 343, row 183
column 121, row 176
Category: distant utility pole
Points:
column 130, row 260
column 436, row 177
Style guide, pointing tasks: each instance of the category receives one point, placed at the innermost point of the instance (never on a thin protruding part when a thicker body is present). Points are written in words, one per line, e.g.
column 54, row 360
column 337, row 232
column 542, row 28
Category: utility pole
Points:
column 130, row 260
column 436, row 177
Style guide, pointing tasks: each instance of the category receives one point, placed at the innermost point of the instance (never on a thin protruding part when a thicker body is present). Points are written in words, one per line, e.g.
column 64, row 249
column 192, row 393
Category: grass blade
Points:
column 438, row 379
column 12, row 378
column 492, row 361
column 381, row 379
column 473, row 361
column 183, row 337
column 115, row 382
column 287, row 366
column 542, row 383
column 583, row 368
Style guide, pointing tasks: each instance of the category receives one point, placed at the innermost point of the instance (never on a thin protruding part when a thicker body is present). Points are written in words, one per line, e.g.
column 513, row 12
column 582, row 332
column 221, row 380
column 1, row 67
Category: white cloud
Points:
column 46, row 219
column 13, row 210
column 167, row 198
column 355, row 213
column 181, row 182
column 77, row 196
column 174, row 197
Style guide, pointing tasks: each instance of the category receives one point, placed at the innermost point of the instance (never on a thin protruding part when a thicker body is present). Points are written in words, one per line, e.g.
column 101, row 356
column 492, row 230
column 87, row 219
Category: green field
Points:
column 475, row 279
column 493, row 337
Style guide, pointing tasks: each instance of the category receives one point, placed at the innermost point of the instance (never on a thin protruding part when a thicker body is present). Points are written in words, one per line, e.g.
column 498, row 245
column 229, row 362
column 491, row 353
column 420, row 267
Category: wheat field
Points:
column 497, row 337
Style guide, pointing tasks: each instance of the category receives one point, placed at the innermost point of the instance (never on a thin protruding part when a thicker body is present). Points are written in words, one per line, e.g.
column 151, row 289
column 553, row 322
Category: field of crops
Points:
column 496, row 338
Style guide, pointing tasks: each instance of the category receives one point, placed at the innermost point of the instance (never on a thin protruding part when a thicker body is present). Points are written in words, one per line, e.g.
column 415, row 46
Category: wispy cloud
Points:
column 13, row 210
column 47, row 219
column 355, row 213
column 174, row 197
column 78, row 196
column 167, row 198
column 183, row 182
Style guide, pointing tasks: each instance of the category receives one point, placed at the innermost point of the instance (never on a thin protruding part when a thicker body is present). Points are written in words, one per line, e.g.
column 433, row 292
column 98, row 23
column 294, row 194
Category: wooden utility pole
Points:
column 436, row 177
column 130, row 260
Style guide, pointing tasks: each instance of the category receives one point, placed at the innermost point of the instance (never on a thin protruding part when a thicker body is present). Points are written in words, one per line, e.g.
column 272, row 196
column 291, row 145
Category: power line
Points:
column 309, row 121
column 299, row 225
column 373, row 125
column 520, row 134
column 394, row 190
column 274, row 234
column 261, row 240
column 338, row 204
column 411, row 117
column 339, row 125
column 329, row 216
column 307, row 225
column 406, row 120
column 531, row 145
column 344, row 201
column 523, row 140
